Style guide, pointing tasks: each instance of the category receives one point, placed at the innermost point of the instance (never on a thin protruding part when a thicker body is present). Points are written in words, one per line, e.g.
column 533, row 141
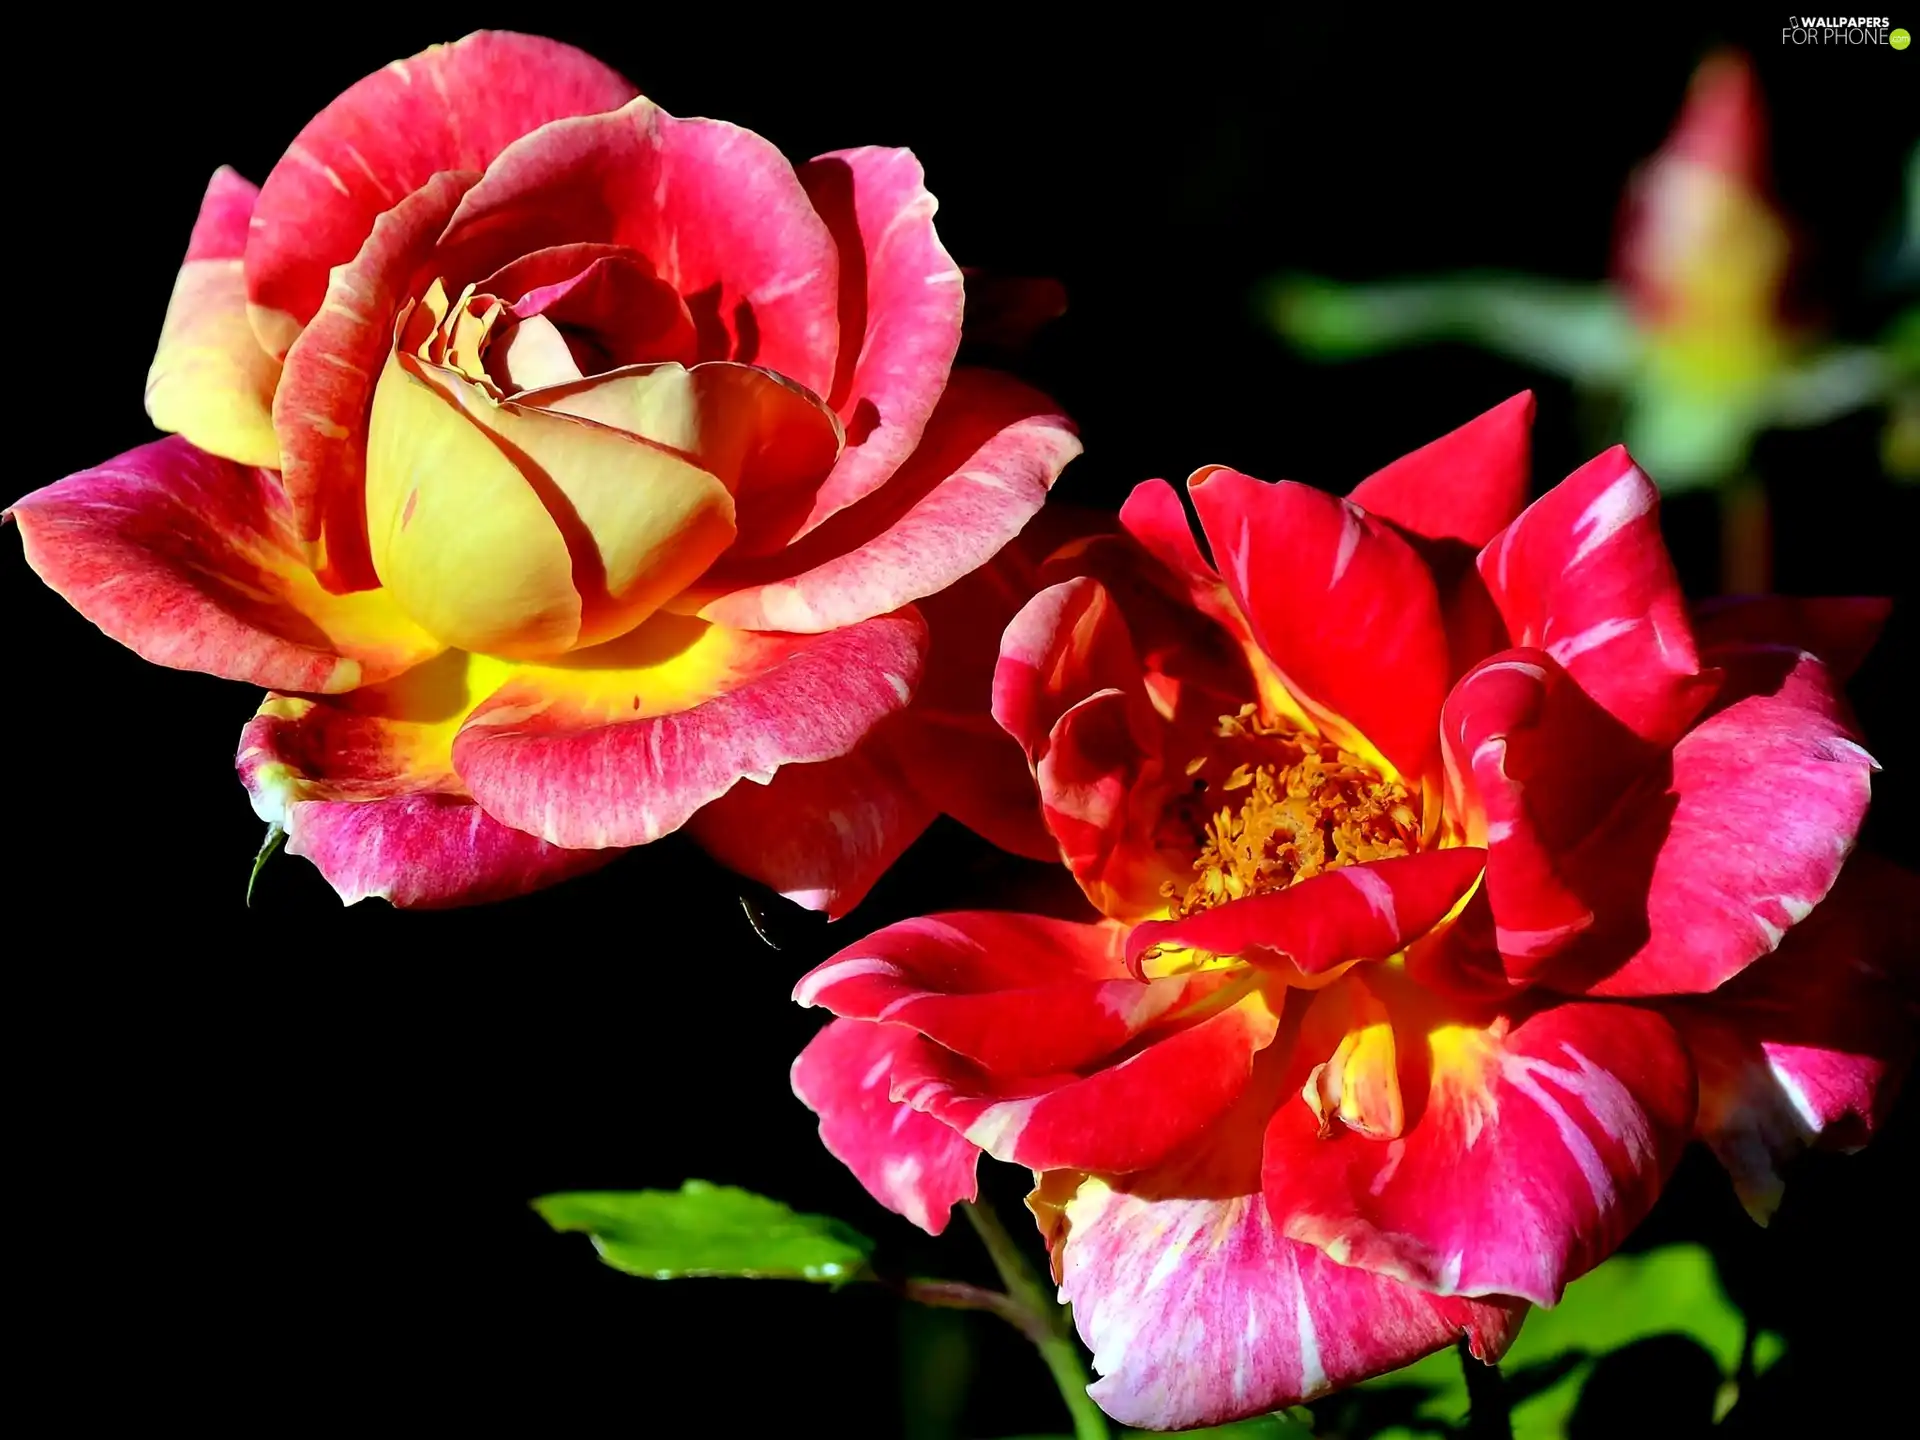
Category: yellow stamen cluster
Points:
column 1290, row 807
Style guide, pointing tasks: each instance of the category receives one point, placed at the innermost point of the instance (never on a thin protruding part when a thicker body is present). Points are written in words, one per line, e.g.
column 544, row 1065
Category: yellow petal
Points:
column 634, row 522
column 769, row 441
column 458, row 534
column 1360, row 1082
column 210, row 381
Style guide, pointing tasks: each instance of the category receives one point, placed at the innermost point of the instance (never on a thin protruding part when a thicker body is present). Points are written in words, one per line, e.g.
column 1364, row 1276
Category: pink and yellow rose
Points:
column 559, row 464
column 1448, row 872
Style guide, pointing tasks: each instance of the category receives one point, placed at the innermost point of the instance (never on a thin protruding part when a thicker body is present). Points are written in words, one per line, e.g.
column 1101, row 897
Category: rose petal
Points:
column 1103, row 791
column 1199, row 1311
column 1192, row 641
column 1067, row 643
column 1584, row 575
column 969, row 768
column 717, row 210
column 1154, row 516
column 1468, row 485
column 983, row 467
column 901, row 295
column 622, row 743
column 1809, row 1045
column 365, row 789
column 1356, row 912
column 1839, row 631
column 968, row 618
column 1343, row 607
column 1006, row 312
column 320, row 410
column 1734, row 868
column 909, row 1162
column 767, row 441
column 1016, row 994
column 446, row 503
column 1531, row 1154
column 450, row 107
column 1125, row 1117
column 191, row 561
column 1538, row 769
column 210, row 381
column 819, row 834
column 587, row 528
column 617, row 305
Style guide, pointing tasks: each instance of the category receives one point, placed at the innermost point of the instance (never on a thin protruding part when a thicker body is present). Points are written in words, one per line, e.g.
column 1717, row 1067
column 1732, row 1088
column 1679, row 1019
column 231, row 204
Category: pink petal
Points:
column 1356, row 912
column 819, row 834
column 944, row 754
column 1733, row 866
column 909, row 1162
column 622, row 743
column 451, row 107
column 1089, row 711
column 1103, row 791
column 1196, row 659
column 717, row 210
column 320, row 410
column 226, row 212
column 1839, row 631
column 901, row 299
column 364, row 787
column 983, row 467
column 191, row 561
column 1126, row 1117
column 1154, row 516
column 1006, row 312
column 1809, row 1046
column 967, row 619
column 1468, row 485
column 210, row 381
column 1584, row 575
column 614, row 299
column 1533, row 1151
column 1343, row 607
column 1199, row 1311
column 1016, row 994
column 977, row 951
column 1539, row 769
column 1067, row 643
column 969, row 768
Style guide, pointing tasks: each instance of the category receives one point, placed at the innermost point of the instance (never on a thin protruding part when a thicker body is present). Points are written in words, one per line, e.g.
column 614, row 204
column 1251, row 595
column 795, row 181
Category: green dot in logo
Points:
column 1899, row 39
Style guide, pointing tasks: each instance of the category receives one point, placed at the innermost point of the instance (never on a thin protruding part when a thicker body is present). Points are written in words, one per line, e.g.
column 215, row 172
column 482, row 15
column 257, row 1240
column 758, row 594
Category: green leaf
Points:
column 276, row 835
column 1629, row 1300
column 1832, row 383
column 704, row 1229
column 1580, row 331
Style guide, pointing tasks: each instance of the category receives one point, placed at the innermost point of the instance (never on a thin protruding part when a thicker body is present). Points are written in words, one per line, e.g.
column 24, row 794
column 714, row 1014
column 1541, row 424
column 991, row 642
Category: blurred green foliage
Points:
column 1651, row 1328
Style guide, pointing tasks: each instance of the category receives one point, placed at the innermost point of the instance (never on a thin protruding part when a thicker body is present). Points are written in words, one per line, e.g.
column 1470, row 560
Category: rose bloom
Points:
column 1451, row 872
column 559, row 464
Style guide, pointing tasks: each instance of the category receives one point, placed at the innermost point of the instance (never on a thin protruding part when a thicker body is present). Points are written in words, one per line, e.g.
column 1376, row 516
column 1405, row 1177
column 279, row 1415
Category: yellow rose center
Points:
column 520, row 508
column 1271, row 806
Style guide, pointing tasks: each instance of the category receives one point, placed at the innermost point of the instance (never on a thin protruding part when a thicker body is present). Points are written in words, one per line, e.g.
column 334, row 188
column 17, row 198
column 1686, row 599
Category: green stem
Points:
column 1746, row 538
column 1051, row 1330
column 1488, row 1417
column 956, row 1295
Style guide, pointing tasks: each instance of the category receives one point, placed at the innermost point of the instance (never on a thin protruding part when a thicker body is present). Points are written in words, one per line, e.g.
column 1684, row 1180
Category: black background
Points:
column 273, row 1163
